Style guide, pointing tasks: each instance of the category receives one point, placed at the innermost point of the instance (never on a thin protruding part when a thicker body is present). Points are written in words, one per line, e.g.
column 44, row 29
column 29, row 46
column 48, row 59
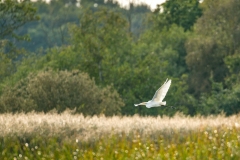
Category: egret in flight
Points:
column 157, row 100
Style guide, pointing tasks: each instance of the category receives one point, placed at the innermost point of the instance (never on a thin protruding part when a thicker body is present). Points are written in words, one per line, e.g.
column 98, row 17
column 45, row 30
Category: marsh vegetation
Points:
column 68, row 136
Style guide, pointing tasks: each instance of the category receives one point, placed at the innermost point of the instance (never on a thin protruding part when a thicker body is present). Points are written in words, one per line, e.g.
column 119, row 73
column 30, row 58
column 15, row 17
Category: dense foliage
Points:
column 13, row 15
column 133, row 50
column 61, row 90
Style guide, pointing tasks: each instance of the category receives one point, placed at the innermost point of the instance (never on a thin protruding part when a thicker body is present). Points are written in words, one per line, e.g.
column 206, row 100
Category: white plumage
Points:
column 157, row 99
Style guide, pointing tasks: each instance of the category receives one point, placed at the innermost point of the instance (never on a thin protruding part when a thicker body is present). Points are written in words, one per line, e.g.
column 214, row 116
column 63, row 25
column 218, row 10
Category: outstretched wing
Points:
column 162, row 91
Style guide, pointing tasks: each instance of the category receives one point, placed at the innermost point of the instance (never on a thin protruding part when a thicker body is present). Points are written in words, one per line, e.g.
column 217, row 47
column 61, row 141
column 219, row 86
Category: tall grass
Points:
column 66, row 136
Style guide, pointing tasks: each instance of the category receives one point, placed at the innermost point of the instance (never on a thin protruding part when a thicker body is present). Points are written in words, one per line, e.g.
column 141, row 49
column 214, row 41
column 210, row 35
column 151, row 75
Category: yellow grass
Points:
column 67, row 136
column 85, row 128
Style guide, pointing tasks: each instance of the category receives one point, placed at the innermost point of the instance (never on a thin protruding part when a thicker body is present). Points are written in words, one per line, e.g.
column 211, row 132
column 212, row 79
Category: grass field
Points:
column 66, row 136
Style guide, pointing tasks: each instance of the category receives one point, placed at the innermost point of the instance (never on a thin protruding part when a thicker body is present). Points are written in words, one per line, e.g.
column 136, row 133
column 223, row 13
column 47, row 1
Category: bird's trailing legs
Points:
column 172, row 107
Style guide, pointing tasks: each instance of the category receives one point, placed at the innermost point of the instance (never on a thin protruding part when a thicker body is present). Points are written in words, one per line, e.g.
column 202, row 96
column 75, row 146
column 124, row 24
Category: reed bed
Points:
column 73, row 136
column 86, row 128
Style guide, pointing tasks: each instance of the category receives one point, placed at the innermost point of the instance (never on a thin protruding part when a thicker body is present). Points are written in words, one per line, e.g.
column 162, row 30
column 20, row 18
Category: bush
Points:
column 60, row 90
column 220, row 100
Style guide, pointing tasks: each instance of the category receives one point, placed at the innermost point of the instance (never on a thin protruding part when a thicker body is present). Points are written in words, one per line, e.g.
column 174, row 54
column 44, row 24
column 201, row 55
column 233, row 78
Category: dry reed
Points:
column 85, row 128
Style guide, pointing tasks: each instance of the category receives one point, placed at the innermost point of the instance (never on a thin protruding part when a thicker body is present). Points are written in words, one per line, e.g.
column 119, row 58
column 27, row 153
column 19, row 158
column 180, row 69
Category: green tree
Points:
column 157, row 55
column 47, row 90
column 13, row 15
column 137, row 16
column 136, row 70
column 216, row 36
column 184, row 13
column 102, row 46
column 220, row 100
column 52, row 29
column 102, row 42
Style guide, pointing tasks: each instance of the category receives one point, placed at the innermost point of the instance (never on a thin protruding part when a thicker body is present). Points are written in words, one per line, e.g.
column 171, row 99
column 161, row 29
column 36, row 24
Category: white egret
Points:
column 160, row 94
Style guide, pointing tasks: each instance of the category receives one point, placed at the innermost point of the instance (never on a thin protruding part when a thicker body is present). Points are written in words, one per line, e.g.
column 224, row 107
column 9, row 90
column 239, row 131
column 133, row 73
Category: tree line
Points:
column 98, row 58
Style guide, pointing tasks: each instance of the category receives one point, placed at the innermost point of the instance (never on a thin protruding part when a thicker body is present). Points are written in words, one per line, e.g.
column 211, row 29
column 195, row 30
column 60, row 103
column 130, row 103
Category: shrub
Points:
column 60, row 90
